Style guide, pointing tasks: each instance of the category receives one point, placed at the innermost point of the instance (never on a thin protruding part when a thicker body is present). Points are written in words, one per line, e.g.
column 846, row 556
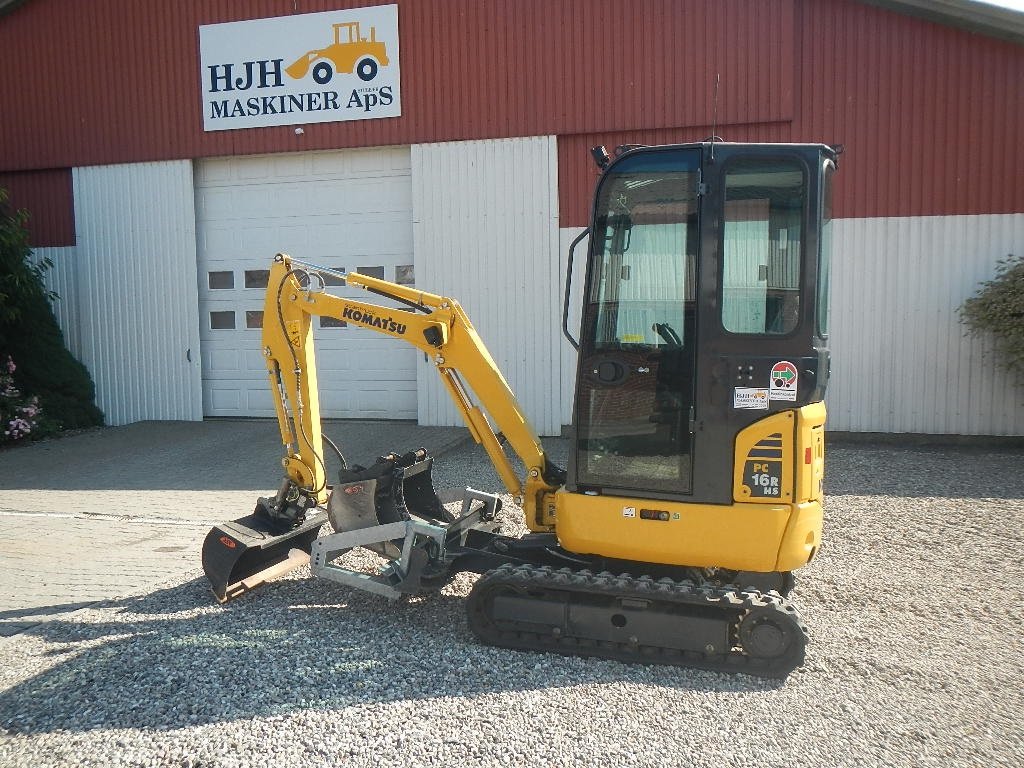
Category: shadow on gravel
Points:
column 48, row 610
column 918, row 471
column 174, row 659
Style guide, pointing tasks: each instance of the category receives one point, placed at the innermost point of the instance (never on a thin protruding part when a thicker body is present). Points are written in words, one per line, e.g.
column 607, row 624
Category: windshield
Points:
column 645, row 268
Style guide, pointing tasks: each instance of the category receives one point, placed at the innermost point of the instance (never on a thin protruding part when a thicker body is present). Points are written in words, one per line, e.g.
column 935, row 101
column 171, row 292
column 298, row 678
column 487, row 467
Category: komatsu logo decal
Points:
column 371, row 320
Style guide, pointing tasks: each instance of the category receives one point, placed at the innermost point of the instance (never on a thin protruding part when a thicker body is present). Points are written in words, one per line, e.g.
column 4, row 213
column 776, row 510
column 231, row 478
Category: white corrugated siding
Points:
column 485, row 228
column 901, row 361
column 61, row 279
column 137, row 297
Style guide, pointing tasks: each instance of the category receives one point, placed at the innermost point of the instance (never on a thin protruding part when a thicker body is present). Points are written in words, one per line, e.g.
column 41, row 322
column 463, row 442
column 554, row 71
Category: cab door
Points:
column 761, row 344
column 635, row 385
column 701, row 314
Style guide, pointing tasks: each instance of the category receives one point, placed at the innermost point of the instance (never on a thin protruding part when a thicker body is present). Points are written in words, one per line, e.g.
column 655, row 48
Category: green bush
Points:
column 998, row 309
column 30, row 335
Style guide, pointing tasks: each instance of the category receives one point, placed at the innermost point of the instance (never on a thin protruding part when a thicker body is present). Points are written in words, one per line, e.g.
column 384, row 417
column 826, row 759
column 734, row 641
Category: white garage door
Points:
column 351, row 210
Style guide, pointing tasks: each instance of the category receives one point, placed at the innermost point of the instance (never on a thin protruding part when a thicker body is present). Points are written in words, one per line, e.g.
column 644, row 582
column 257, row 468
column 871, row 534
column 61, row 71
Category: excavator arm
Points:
column 439, row 327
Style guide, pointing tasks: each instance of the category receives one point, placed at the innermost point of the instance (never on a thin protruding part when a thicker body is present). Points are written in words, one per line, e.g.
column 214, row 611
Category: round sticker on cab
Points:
column 784, row 381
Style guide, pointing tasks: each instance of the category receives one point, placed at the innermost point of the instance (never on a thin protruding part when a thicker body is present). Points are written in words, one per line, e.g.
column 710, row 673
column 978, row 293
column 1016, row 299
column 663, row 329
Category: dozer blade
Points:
column 246, row 553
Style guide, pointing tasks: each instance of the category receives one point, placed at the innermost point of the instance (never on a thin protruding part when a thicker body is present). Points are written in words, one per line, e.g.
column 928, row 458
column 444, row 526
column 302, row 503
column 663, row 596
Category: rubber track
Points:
column 734, row 602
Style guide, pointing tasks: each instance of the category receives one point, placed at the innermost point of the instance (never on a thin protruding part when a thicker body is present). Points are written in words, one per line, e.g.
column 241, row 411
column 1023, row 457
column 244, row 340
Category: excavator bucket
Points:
column 386, row 492
column 246, row 553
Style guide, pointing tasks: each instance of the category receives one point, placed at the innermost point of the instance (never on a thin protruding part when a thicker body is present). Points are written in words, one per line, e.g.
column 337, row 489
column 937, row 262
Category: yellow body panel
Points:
column 740, row 536
column 774, row 524
column 811, row 435
column 763, row 465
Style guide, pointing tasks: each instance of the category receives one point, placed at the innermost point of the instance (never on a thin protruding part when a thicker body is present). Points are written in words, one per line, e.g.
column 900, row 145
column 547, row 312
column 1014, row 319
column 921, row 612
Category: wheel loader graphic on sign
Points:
column 350, row 52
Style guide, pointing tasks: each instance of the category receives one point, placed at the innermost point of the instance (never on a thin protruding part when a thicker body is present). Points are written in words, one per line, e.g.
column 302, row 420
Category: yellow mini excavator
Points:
column 694, row 482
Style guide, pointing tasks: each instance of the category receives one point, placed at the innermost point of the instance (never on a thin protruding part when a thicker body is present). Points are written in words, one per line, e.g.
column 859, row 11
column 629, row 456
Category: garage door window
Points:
column 257, row 278
column 221, row 280
column 222, row 321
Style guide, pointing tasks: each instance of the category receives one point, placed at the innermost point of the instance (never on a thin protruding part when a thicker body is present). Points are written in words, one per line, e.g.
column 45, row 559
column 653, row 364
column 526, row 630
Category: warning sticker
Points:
column 784, row 380
column 629, row 511
column 749, row 397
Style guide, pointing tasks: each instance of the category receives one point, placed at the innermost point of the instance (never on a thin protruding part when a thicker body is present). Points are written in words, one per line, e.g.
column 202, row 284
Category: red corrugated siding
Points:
column 932, row 116
column 125, row 84
column 48, row 198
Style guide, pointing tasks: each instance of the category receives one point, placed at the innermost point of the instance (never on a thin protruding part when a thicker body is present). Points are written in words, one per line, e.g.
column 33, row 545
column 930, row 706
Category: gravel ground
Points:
column 915, row 659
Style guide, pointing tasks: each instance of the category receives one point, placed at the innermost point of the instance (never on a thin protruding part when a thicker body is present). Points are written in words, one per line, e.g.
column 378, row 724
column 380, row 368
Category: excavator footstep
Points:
column 244, row 554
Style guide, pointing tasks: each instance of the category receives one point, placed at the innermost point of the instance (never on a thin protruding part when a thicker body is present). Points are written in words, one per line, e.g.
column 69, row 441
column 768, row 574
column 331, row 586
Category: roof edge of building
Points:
column 971, row 15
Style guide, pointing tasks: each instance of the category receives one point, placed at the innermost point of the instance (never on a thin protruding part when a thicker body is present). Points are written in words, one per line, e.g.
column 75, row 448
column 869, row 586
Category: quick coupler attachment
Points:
column 246, row 553
column 389, row 491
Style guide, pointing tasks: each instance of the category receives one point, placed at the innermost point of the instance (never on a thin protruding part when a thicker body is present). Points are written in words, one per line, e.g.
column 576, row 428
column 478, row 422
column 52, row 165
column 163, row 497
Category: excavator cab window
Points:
column 761, row 256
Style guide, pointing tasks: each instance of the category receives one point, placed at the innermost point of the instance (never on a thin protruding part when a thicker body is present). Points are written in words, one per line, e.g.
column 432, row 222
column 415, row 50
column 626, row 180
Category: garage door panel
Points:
column 336, row 401
column 359, row 197
column 253, row 240
column 219, row 241
column 348, row 210
column 226, row 399
column 378, row 161
column 224, row 362
column 384, row 404
column 373, row 237
column 259, row 402
column 358, row 363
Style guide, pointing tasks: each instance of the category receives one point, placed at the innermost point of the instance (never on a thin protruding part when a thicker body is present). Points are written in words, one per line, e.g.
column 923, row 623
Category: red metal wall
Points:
column 125, row 86
column 47, row 196
column 932, row 117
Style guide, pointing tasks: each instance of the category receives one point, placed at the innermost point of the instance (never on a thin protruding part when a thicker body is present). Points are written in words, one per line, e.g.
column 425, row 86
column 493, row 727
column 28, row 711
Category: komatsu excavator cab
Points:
column 705, row 309
column 703, row 358
column 694, row 484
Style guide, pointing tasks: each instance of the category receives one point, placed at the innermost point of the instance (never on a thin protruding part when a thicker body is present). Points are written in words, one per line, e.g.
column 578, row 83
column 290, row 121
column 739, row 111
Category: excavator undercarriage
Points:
column 533, row 595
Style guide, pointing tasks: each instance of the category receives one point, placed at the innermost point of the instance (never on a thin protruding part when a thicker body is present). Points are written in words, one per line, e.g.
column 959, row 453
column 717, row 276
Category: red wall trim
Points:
column 48, row 197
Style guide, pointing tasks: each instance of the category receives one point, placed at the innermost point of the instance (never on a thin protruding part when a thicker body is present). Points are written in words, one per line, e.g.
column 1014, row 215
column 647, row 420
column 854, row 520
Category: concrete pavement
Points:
column 117, row 511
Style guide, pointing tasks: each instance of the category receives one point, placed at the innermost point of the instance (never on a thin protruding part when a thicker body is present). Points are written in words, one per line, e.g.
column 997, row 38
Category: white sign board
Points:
column 308, row 68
